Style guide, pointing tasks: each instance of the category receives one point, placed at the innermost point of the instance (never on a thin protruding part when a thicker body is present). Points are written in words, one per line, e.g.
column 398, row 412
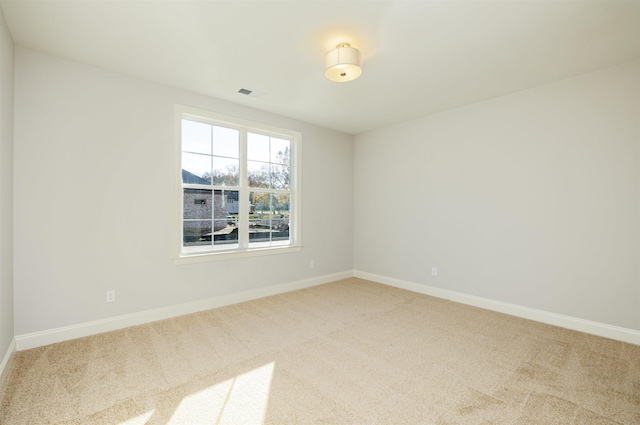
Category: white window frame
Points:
column 244, row 126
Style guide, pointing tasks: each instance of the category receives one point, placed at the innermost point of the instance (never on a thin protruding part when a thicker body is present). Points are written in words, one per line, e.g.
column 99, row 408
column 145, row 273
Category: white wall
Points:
column 94, row 198
column 6, row 189
column 531, row 199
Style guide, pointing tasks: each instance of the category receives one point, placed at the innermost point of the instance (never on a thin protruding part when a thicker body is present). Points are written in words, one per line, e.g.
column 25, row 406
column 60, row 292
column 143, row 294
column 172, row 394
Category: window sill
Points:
column 232, row 255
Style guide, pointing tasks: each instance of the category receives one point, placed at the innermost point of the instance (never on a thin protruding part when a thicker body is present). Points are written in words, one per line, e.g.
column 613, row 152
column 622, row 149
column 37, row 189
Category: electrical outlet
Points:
column 312, row 264
column 434, row 271
column 111, row 296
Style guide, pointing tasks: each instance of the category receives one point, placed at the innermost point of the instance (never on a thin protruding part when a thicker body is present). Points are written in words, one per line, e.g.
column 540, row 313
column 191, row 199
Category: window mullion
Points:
column 243, row 194
column 267, row 190
column 213, row 194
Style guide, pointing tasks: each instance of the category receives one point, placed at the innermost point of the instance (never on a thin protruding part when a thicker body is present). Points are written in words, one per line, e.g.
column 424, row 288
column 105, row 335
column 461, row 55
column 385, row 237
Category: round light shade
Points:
column 342, row 64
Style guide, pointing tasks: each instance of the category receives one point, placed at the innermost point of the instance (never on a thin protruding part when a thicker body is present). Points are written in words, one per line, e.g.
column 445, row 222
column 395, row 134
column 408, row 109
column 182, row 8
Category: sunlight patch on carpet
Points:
column 242, row 399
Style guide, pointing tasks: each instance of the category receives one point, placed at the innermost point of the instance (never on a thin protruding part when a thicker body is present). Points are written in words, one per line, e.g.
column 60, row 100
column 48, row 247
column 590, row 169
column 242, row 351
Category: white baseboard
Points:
column 51, row 336
column 595, row 328
column 5, row 366
column 38, row 339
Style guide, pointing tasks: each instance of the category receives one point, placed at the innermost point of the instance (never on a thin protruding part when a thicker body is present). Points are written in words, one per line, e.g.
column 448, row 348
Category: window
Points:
column 239, row 185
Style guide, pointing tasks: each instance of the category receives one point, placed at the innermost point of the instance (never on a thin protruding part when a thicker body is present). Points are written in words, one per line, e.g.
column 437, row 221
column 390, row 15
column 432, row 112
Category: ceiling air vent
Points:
column 252, row 93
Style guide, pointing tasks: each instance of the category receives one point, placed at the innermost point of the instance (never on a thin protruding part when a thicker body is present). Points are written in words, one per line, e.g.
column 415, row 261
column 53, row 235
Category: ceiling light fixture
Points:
column 342, row 63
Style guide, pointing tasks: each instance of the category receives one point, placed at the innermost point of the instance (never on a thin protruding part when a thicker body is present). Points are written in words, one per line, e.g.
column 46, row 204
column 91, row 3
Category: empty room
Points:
column 319, row 212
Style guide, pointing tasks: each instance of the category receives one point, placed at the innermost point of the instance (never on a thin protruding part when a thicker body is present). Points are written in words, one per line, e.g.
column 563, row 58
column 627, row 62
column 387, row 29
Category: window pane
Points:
column 258, row 174
column 196, row 137
column 226, row 142
column 197, row 204
column 225, row 225
column 232, row 203
column 196, row 233
column 197, row 167
column 225, row 234
column 259, row 203
column 269, row 219
column 226, row 171
column 281, row 217
column 280, row 176
column 221, row 207
column 279, row 151
column 257, row 147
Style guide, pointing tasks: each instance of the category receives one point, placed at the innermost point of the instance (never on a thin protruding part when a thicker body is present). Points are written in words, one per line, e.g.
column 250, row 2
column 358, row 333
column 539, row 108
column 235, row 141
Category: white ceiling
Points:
column 419, row 57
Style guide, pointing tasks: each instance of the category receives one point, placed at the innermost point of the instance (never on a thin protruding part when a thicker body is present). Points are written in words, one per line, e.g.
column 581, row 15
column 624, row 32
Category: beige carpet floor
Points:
column 348, row 352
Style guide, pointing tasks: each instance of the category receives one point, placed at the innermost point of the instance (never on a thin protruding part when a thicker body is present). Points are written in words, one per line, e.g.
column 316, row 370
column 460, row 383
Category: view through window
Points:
column 237, row 186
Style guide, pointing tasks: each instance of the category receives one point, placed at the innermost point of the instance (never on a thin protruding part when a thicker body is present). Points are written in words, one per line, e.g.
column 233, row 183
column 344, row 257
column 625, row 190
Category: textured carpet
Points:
column 348, row 352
